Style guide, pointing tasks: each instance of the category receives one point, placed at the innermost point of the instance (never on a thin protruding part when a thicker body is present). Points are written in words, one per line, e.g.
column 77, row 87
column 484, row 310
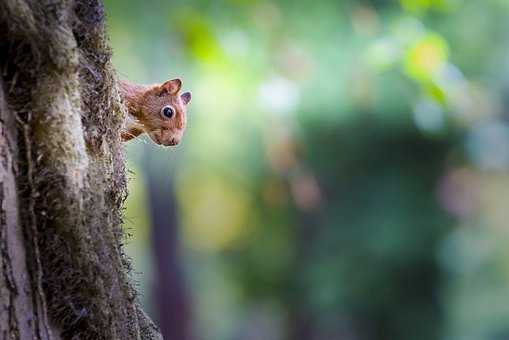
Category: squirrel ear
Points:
column 171, row 86
column 186, row 97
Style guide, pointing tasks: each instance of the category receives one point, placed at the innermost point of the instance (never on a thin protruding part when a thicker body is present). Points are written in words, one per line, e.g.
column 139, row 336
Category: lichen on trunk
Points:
column 64, row 176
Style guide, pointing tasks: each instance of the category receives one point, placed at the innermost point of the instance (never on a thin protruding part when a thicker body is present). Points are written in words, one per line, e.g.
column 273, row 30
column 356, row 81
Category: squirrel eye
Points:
column 167, row 111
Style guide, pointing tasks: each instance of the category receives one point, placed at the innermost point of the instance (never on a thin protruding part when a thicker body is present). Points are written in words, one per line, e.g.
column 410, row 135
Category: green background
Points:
column 344, row 173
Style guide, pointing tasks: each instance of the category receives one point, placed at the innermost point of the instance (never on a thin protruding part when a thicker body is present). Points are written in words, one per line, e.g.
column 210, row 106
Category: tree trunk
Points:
column 63, row 272
column 170, row 297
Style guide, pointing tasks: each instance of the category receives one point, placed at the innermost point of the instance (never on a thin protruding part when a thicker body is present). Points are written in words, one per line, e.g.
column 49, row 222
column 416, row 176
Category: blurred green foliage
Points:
column 344, row 174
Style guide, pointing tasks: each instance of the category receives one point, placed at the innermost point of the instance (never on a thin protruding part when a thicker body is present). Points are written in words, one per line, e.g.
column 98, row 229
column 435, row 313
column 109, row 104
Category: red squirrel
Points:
column 157, row 110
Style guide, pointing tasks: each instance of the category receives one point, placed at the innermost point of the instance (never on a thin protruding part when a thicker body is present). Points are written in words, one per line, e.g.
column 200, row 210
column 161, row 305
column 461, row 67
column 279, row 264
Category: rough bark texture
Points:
column 63, row 273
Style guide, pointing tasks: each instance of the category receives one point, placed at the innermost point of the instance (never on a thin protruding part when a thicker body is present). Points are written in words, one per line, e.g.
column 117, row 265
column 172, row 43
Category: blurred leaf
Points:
column 426, row 57
column 198, row 34
column 423, row 5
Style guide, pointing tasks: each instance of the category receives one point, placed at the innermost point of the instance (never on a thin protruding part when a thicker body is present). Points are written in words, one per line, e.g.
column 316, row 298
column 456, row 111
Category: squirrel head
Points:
column 162, row 112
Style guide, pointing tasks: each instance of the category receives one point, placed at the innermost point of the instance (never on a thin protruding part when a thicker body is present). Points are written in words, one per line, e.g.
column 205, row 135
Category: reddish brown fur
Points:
column 145, row 103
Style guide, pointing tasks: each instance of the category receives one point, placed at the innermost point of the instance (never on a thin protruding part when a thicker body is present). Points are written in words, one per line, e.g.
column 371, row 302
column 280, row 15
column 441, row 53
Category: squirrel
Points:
column 157, row 110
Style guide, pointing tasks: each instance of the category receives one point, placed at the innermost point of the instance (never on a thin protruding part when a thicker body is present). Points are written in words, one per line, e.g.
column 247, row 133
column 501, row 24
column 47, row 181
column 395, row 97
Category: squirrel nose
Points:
column 172, row 142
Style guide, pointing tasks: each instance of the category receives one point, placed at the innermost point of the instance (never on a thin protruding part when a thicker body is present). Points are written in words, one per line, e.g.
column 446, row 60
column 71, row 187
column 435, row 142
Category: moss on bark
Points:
column 61, row 90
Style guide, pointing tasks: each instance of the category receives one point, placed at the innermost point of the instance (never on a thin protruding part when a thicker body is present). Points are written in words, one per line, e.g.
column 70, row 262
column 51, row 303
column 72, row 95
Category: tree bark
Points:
column 63, row 271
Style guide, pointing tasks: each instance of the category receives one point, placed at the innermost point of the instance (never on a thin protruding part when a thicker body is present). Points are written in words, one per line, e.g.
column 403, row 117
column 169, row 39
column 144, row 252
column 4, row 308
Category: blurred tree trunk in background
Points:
column 63, row 273
column 170, row 298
